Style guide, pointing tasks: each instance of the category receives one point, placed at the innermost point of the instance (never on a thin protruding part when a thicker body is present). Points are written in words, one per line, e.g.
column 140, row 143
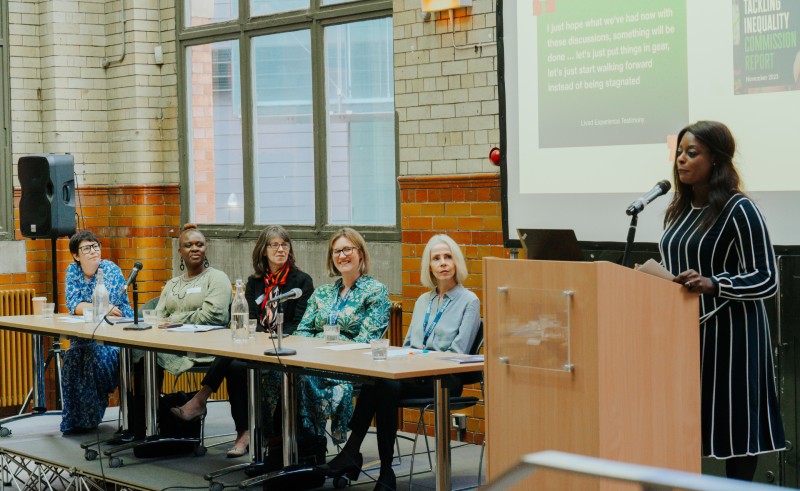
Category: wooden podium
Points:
column 593, row 359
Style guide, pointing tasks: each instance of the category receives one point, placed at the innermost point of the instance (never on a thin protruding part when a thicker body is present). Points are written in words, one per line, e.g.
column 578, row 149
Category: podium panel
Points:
column 630, row 387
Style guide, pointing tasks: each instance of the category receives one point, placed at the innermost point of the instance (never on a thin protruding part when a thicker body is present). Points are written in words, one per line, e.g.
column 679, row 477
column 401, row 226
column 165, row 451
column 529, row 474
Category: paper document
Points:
column 654, row 268
column 396, row 352
column 122, row 320
column 73, row 319
column 345, row 347
column 194, row 328
column 465, row 359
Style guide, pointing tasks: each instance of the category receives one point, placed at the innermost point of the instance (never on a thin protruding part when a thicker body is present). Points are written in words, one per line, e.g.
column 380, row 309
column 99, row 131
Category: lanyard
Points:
column 337, row 306
column 427, row 331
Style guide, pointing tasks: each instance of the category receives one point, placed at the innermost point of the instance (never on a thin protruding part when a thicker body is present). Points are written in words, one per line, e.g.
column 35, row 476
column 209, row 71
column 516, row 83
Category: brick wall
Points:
column 467, row 208
column 445, row 96
column 133, row 222
column 71, row 93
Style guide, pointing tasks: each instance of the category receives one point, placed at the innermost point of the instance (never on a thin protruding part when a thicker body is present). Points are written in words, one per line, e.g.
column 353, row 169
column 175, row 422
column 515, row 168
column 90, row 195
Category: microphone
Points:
column 137, row 266
column 659, row 189
column 290, row 295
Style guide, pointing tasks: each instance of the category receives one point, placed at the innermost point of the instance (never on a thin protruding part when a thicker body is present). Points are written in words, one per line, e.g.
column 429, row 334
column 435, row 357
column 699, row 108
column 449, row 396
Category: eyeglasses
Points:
column 347, row 251
column 275, row 246
column 90, row 247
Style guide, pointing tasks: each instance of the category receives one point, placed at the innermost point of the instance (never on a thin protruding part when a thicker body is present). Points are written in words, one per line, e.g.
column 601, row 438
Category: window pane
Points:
column 334, row 2
column 359, row 94
column 202, row 12
column 283, row 129
column 266, row 7
column 214, row 115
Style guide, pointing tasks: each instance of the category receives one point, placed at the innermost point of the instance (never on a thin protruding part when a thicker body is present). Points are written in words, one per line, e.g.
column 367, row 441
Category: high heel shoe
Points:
column 237, row 451
column 180, row 414
column 386, row 481
column 343, row 464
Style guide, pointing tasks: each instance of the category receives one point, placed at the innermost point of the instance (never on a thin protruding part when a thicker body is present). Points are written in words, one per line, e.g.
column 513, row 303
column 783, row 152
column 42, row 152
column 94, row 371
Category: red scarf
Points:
column 272, row 284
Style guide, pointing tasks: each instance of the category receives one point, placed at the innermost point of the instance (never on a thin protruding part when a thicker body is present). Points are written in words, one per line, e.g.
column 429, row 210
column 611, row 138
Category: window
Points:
column 289, row 116
column 6, row 196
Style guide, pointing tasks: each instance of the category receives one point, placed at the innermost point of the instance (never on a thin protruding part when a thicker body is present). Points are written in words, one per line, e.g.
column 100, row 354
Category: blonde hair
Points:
column 357, row 240
column 426, row 276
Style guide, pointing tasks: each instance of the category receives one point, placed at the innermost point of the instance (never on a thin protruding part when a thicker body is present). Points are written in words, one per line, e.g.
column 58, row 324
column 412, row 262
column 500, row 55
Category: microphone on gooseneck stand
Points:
column 659, row 189
column 290, row 295
column 137, row 266
column 635, row 208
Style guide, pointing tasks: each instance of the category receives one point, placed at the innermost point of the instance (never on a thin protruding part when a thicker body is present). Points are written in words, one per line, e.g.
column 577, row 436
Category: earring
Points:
column 205, row 262
column 182, row 266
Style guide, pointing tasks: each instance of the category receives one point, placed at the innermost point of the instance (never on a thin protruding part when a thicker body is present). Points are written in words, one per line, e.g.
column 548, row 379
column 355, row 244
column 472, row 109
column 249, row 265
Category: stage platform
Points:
column 37, row 456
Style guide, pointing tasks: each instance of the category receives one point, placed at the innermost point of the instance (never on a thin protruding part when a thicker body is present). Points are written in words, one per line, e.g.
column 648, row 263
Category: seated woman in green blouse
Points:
column 360, row 305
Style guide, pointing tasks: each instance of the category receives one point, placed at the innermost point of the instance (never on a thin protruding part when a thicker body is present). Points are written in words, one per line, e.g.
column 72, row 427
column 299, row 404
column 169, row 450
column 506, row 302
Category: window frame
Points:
column 245, row 29
column 6, row 162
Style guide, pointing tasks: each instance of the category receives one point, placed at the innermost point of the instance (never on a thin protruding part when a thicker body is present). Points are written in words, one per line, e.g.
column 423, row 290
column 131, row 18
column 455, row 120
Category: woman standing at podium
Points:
column 90, row 371
column 446, row 318
column 716, row 243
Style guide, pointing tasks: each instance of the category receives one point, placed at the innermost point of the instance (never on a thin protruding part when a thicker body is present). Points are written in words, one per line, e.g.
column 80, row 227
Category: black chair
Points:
column 456, row 403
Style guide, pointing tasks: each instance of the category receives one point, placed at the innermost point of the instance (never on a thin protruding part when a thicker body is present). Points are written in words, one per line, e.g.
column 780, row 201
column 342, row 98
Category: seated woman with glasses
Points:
column 90, row 371
column 446, row 318
column 275, row 272
column 359, row 305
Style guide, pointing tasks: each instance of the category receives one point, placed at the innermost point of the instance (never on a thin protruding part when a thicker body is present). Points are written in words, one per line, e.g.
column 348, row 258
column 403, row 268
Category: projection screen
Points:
column 594, row 92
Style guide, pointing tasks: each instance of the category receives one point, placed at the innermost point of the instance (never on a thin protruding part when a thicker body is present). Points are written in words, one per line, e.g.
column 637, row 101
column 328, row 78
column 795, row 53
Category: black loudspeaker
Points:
column 47, row 206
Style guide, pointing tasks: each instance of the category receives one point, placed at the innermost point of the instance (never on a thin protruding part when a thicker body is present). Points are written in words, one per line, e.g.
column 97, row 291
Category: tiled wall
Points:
column 134, row 223
column 445, row 93
column 467, row 208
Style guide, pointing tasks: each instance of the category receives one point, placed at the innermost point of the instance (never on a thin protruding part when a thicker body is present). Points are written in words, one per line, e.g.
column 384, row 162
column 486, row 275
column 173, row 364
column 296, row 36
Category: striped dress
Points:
column 740, row 411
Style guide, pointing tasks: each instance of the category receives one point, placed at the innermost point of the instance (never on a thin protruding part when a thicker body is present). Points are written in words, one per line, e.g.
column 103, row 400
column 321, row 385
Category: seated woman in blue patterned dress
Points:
column 360, row 306
column 90, row 371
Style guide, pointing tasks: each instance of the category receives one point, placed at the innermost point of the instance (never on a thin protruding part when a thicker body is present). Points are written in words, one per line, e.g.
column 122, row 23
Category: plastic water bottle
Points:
column 239, row 315
column 100, row 302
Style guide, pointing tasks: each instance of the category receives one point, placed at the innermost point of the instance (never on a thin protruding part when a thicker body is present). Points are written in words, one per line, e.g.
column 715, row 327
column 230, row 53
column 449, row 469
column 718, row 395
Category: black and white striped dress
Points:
column 740, row 411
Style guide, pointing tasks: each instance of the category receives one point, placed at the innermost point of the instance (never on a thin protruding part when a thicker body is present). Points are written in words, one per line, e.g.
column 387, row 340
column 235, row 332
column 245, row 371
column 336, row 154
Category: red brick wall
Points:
column 133, row 223
column 467, row 208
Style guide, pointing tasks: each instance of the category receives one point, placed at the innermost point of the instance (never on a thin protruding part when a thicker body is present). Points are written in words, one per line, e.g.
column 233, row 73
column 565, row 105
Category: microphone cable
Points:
column 97, row 428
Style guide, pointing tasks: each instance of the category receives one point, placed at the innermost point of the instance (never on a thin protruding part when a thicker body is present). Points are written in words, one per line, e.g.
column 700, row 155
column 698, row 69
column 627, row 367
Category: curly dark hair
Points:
column 724, row 181
column 75, row 240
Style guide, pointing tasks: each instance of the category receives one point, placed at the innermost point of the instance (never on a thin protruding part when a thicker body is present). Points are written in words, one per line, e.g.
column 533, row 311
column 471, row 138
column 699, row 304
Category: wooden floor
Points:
column 36, row 446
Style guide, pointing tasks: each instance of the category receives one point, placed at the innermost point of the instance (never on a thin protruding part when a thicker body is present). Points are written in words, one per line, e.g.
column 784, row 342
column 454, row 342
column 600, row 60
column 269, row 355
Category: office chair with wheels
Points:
column 456, row 403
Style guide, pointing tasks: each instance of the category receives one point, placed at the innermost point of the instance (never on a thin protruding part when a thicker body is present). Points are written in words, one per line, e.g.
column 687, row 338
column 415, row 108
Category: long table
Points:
column 310, row 357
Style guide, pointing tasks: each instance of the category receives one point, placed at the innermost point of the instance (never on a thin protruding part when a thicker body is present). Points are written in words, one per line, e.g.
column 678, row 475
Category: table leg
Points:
column 288, row 420
column 37, row 348
column 441, row 398
column 124, row 386
column 254, row 414
column 150, row 393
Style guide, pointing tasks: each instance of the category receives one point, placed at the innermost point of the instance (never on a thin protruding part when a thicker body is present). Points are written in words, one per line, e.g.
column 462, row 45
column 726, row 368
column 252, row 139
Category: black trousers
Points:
column 381, row 401
column 235, row 372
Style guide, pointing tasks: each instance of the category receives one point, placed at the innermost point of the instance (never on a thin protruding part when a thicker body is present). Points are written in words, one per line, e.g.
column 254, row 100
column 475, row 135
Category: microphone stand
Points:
column 629, row 242
column 136, row 305
column 279, row 350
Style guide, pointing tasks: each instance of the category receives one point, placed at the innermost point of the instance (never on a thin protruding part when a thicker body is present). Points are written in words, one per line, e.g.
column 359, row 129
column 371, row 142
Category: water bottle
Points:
column 100, row 302
column 239, row 315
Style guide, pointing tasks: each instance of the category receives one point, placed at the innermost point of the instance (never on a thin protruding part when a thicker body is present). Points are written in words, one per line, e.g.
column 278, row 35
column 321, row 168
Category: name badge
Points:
column 195, row 289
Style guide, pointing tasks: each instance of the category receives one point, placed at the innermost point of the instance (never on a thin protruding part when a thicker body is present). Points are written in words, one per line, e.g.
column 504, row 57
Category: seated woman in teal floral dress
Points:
column 360, row 306
column 90, row 372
